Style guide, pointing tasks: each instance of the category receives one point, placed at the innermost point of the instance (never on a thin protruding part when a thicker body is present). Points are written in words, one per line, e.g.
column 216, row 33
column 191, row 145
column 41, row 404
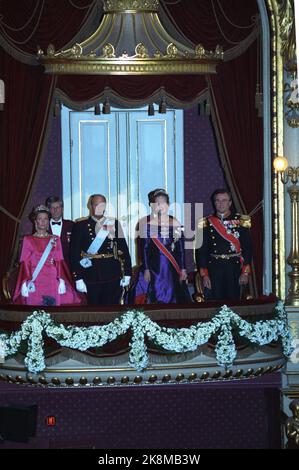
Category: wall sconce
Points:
column 2, row 95
column 291, row 174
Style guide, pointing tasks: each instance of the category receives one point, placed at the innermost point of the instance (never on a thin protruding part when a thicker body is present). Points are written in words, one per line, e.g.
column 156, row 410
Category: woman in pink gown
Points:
column 53, row 284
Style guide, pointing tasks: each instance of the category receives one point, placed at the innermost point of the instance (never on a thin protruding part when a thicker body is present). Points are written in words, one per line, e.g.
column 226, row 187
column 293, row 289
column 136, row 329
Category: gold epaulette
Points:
column 202, row 223
column 245, row 220
column 81, row 218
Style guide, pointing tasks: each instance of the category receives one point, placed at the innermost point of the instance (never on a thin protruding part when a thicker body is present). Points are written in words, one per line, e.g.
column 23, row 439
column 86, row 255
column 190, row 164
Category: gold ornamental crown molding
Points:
column 130, row 40
column 126, row 6
column 286, row 15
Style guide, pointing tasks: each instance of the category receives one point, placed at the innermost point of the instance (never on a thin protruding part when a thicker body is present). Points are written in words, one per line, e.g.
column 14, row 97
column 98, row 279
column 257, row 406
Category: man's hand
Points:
column 125, row 281
column 147, row 275
column 81, row 286
column 206, row 282
column 243, row 279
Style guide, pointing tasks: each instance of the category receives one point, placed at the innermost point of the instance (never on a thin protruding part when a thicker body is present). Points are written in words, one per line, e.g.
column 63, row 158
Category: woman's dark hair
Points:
column 152, row 196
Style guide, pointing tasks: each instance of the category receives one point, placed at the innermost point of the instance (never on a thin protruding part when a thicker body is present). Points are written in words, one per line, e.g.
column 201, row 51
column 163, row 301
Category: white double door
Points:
column 123, row 155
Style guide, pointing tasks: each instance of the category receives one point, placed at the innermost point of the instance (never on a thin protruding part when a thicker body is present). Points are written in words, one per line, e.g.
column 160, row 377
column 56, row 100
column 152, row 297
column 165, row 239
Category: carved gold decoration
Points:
column 50, row 51
column 292, row 426
column 125, row 380
column 166, row 378
column 97, row 381
column 180, row 377
column 141, row 51
column 76, row 51
column 205, row 376
column 130, row 5
column 112, row 48
column 69, row 381
column 108, row 51
column 172, row 51
column 292, row 174
column 43, row 381
column 152, row 378
column 216, row 375
column 228, row 374
column 55, row 381
column 200, row 51
column 192, row 377
column 287, row 30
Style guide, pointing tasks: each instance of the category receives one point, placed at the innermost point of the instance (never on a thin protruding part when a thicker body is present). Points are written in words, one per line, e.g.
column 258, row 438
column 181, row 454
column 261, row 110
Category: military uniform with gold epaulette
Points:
column 106, row 267
column 219, row 259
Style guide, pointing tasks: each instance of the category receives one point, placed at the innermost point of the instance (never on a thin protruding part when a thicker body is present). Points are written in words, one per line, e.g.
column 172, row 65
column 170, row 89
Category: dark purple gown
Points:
column 165, row 285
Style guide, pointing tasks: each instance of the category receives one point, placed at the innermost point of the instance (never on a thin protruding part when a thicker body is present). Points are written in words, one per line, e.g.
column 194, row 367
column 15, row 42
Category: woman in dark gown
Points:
column 163, row 272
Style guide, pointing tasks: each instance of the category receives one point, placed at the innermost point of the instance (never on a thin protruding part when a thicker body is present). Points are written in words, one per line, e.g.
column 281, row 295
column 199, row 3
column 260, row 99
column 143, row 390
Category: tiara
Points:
column 41, row 208
column 160, row 191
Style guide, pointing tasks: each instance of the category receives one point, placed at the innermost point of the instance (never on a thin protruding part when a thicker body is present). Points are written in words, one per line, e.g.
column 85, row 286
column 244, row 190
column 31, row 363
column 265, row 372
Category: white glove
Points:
column 81, row 286
column 125, row 281
column 24, row 290
column 61, row 287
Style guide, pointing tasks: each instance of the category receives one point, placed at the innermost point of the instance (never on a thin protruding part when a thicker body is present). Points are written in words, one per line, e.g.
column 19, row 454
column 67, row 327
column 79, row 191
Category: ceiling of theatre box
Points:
column 26, row 26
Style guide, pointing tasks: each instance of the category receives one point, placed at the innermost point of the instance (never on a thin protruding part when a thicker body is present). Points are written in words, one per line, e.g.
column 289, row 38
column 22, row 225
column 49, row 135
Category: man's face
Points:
column 222, row 203
column 56, row 210
column 98, row 206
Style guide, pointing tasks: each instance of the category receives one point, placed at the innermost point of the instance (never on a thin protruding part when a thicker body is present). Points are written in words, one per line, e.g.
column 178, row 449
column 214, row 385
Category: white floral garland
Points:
column 172, row 339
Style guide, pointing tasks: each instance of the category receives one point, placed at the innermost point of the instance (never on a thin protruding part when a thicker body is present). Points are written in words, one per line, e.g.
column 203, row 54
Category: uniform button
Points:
column 215, row 251
column 214, row 244
column 213, row 238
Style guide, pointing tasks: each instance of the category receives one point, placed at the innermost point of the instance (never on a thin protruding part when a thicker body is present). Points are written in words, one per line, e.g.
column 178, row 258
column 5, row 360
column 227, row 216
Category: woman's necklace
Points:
column 41, row 235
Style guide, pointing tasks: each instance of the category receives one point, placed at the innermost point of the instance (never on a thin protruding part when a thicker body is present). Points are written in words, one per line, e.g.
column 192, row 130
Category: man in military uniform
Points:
column 224, row 258
column 100, row 259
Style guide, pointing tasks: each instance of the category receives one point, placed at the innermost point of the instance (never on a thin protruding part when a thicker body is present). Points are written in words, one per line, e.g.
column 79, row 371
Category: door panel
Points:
column 123, row 155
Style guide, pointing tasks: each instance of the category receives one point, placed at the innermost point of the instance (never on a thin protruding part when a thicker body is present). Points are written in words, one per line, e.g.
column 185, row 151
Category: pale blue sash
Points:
column 96, row 244
column 40, row 265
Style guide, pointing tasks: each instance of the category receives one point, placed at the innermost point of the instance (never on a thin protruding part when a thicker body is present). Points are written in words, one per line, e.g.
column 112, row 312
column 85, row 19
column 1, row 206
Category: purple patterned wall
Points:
column 202, row 169
column 49, row 177
column 242, row 414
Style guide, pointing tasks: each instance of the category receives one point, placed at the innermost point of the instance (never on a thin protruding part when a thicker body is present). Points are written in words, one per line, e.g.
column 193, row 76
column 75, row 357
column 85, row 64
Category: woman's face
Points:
column 160, row 205
column 42, row 221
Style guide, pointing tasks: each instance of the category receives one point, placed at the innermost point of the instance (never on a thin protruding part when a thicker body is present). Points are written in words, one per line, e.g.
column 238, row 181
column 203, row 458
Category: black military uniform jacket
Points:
column 214, row 244
column 104, row 269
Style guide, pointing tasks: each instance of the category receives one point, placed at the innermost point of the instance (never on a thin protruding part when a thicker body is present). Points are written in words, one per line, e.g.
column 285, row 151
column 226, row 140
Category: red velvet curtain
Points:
column 22, row 129
column 241, row 133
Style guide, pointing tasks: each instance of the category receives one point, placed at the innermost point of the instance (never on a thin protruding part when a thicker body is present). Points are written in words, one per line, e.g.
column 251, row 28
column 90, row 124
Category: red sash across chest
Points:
column 220, row 228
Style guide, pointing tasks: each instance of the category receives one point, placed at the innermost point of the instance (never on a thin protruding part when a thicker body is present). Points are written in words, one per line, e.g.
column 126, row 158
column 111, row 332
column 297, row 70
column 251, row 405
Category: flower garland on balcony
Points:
column 177, row 340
